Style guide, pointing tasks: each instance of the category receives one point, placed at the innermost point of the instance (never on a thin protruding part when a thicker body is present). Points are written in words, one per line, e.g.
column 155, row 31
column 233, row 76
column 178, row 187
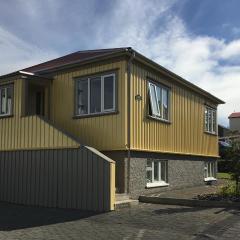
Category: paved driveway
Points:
column 145, row 221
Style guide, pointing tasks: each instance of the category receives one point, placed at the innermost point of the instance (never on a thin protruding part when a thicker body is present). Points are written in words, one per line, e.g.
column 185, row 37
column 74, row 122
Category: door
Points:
column 40, row 103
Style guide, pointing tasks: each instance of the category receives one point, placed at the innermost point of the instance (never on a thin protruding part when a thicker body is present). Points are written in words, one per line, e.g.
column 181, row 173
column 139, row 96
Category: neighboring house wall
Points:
column 185, row 132
column 223, row 131
column 234, row 124
column 106, row 132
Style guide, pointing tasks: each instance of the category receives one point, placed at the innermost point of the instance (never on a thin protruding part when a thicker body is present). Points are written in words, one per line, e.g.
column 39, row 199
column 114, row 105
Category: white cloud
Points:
column 151, row 27
column 231, row 50
column 17, row 54
column 196, row 58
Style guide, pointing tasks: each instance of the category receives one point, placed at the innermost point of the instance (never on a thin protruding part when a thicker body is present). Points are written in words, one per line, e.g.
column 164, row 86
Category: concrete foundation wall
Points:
column 183, row 171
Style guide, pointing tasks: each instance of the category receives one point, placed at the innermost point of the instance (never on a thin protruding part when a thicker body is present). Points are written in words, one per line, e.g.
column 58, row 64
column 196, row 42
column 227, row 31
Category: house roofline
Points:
column 24, row 74
column 127, row 52
column 177, row 78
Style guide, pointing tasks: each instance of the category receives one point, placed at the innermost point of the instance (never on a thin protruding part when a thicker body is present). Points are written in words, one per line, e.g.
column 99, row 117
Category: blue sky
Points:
column 197, row 39
column 217, row 18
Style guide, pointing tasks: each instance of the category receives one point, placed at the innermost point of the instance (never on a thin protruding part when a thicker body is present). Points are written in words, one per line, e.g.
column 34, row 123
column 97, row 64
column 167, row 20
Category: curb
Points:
column 189, row 202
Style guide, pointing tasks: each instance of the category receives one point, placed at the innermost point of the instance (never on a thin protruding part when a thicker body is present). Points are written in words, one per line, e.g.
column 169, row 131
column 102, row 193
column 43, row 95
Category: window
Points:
column 95, row 95
column 210, row 171
column 6, row 99
column 210, row 120
column 159, row 101
column 156, row 173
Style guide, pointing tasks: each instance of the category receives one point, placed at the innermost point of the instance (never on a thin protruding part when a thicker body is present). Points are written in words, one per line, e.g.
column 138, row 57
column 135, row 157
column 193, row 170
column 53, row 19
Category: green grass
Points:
column 223, row 176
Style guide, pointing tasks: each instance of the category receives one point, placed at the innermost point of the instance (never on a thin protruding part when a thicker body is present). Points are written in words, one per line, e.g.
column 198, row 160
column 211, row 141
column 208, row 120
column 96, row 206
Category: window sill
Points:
column 210, row 133
column 210, row 179
column 157, row 184
column 6, row 116
column 95, row 115
column 159, row 119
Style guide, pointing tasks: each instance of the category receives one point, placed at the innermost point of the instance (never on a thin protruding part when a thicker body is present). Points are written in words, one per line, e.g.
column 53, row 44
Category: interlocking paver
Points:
column 145, row 221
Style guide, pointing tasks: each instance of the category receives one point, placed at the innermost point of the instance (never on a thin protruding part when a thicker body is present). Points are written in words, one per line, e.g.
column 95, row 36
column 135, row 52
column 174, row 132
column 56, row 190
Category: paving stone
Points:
column 144, row 221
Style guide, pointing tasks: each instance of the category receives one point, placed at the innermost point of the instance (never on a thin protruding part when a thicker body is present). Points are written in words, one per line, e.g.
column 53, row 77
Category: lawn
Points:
column 223, row 176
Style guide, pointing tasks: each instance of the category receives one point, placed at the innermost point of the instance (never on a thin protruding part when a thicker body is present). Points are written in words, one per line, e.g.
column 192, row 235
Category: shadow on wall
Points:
column 15, row 217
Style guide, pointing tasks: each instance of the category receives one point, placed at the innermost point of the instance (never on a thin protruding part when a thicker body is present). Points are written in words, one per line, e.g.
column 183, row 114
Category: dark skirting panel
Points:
column 64, row 178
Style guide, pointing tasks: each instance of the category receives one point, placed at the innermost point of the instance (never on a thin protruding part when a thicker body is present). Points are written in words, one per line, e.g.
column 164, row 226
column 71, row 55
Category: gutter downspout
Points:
column 129, row 71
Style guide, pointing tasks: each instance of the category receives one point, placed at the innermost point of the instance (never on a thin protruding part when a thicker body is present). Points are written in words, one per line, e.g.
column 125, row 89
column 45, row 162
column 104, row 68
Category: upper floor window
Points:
column 210, row 120
column 159, row 101
column 6, row 100
column 95, row 95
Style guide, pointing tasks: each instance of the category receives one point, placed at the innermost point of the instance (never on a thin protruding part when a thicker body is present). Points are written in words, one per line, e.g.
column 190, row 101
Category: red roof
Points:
column 234, row 115
column 76, row 57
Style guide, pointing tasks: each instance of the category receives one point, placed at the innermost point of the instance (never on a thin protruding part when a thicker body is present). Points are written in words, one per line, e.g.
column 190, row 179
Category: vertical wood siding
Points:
column 64, row 178
column 102, row 132
column 184, row 135
column 31, row 132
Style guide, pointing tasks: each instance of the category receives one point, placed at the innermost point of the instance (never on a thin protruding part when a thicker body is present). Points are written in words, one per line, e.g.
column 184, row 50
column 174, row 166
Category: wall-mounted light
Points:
column 138, row 97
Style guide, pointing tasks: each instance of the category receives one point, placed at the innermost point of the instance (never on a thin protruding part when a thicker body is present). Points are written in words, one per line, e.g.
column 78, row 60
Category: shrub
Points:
column 224, row 166
column 228, row 190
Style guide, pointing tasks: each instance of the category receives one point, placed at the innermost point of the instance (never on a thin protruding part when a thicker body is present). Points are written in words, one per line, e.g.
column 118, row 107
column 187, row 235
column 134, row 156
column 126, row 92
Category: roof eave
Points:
column 89, row 60
column 24, row 74
column 180, row 80
column 126, row 51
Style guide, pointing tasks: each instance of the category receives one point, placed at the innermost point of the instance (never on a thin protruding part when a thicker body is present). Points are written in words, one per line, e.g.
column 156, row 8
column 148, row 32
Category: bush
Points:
column 224, row 166
column 228, row 190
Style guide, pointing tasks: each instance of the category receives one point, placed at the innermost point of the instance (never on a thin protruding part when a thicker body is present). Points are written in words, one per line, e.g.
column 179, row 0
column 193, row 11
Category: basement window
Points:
column 159, row 101
column 210, row 120
column 209, row 171
column 156, row 173
column 95, row 95
column 6, row 100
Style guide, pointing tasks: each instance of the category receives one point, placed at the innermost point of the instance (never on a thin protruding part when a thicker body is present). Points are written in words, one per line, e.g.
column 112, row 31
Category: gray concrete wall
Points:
column 120, row 158
column 183, row 171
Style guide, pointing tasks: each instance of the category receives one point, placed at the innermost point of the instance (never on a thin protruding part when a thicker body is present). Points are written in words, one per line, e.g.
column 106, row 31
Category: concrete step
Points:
column 122, row 196
column 125, row 203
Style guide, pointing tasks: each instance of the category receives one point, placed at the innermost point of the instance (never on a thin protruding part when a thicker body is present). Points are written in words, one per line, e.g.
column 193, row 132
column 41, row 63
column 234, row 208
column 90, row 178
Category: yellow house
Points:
column 159, row 129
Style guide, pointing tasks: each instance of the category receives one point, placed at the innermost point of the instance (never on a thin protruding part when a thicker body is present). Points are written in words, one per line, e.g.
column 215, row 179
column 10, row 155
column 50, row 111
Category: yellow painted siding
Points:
column 106, row 132
column 112, row 185
column 31, row 132
column 184, row 135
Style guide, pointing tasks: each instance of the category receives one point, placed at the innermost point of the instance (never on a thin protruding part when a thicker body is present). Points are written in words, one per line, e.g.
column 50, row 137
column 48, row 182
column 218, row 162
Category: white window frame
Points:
column 114, row 92
column 160, row 182
column 159, row 113
column 103, row 110
column 6, row 87
column 209, row 125
column 212, row 166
